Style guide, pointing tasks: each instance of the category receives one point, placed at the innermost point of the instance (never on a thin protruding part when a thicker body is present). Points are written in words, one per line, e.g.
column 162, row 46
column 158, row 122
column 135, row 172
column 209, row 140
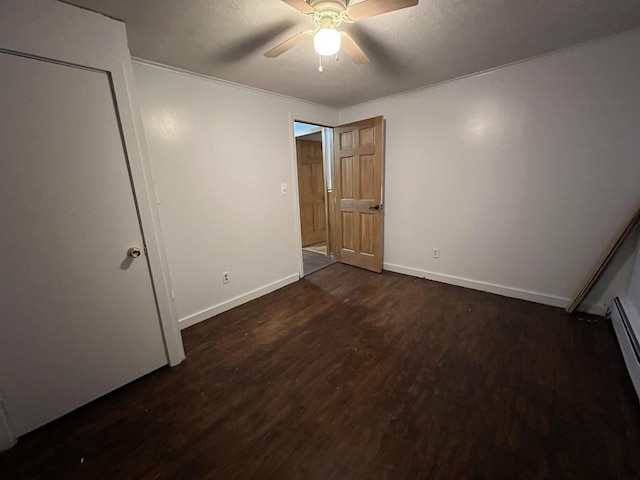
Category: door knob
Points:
column 134, row 252
column 375, row 207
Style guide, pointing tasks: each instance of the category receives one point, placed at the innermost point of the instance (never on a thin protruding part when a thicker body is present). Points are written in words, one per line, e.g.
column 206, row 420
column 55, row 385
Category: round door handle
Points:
column 134, row 252
column 375, row 207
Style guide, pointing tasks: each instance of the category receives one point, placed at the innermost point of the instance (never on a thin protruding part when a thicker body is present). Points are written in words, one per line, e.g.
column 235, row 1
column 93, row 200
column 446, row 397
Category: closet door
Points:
column 79, row 316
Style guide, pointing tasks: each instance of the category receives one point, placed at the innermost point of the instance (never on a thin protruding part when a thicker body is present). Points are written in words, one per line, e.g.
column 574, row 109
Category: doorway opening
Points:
column 313, row 157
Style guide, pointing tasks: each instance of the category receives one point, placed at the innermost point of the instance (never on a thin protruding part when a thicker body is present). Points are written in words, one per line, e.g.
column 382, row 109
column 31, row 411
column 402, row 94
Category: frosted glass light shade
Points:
column 327, row 41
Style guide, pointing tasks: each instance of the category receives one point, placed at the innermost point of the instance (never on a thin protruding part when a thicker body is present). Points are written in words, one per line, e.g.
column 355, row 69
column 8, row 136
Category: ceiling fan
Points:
column 327, row 15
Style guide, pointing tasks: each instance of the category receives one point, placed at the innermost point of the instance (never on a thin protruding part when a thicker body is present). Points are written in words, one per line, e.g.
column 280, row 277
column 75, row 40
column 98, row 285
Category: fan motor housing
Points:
column 328, row 6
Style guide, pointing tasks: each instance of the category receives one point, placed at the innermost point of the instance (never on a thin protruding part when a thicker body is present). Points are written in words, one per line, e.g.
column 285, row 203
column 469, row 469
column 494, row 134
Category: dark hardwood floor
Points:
column 348, row 374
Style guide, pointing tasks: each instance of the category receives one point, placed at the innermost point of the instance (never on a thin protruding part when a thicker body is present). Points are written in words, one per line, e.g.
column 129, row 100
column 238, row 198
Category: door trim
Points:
column 84, row 44
column 294, row 190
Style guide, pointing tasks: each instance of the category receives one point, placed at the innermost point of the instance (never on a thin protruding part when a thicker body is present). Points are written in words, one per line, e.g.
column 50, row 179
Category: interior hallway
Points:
column 314, row 258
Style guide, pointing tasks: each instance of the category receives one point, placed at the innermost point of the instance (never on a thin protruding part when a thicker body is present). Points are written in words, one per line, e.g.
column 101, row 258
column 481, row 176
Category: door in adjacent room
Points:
column 79, row 312
column 357, row 179
column 311, row 192
column 313, row 146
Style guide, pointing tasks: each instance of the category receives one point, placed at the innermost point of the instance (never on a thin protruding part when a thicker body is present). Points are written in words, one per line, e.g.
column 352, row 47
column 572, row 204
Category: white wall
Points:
column 615, row 278
column 520, row 176
column 219, row 153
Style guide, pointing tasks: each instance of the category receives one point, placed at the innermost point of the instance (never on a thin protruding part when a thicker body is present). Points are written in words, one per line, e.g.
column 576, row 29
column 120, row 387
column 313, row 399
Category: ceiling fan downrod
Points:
column 329, row 11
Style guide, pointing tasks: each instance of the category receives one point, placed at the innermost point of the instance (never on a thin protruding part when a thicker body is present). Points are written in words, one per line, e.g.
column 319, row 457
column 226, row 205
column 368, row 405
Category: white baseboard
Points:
column 7, row 438
column 505, row 291
column 234, row 302
column 623, row 326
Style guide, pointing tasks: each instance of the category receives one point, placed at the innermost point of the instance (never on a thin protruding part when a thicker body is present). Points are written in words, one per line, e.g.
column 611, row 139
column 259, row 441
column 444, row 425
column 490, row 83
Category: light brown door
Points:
column 311, row 189
column 357, row 185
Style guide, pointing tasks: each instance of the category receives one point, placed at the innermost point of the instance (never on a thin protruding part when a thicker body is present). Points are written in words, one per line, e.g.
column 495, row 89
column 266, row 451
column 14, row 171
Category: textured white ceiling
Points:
column 437, row 40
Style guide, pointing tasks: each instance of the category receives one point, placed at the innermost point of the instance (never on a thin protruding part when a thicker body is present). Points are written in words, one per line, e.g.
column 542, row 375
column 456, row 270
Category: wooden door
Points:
column 311, row 189
column 79, row 315
column 357, row 171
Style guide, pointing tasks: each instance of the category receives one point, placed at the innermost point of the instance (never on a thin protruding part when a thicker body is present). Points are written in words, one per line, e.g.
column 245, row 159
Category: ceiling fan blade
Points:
column 353, row 50
column 287, row 44
column 300, row 5
column 371, row 8
column 253, row 43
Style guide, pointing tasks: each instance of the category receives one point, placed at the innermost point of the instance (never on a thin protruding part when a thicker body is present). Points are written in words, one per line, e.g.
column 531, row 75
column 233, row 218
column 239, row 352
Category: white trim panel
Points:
column 149, row 215
column 236, row 301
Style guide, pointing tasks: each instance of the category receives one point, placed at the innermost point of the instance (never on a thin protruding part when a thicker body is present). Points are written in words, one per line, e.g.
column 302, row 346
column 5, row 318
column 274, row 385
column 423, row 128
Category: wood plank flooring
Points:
column 348, row 374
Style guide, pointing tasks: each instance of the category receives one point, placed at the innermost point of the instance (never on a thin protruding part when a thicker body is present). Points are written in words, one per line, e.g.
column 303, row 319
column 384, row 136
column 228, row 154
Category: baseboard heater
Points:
column 628, row 341
column 7, row 438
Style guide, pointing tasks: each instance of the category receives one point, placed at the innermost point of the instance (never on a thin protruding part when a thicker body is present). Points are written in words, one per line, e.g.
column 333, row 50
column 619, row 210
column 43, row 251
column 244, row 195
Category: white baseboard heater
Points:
column 7, row 438
column 627, row 333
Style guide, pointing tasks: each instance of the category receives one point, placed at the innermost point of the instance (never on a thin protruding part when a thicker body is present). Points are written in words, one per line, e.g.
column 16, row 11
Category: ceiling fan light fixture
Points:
column 326, row 41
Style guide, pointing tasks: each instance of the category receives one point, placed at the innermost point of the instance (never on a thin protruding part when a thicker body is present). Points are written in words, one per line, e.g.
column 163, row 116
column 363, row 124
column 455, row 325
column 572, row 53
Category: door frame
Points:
column 65, row 34
column 295, row 190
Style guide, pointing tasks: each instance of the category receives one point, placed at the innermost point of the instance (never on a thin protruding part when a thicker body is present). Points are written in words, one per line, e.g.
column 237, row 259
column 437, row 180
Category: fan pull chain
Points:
column 320, row 67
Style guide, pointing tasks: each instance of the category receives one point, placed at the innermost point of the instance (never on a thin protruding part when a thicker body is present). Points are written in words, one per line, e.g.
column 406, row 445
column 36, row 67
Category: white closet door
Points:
column 79, row 317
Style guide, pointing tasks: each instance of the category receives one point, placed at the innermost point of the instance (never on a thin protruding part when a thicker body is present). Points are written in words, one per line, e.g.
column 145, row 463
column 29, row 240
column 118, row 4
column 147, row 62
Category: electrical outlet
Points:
column 225, row 277
column 436, row 253
column 283, row 188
